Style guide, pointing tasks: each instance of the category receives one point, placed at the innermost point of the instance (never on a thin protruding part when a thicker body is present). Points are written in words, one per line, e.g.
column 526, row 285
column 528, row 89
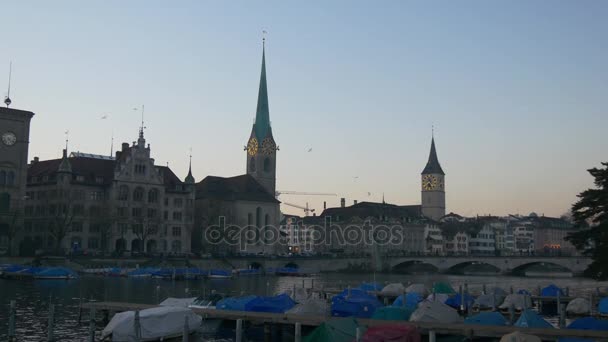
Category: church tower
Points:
column 261, row 147
column 433, row 187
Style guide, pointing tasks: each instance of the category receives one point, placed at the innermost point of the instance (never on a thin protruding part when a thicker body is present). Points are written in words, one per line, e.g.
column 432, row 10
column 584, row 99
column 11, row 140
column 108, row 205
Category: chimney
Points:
column 118, row 153
column 342, row 202
column 355, row 202
column 36, row 159
column 65, row 153
column 324, row 205
column 125, row 146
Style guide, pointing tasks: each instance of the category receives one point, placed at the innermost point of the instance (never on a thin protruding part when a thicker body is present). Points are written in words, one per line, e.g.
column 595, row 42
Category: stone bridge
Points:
column 433, row 264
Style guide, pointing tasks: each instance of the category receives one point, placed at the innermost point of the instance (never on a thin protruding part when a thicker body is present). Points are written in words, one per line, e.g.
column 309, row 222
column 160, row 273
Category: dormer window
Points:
column 140, row 169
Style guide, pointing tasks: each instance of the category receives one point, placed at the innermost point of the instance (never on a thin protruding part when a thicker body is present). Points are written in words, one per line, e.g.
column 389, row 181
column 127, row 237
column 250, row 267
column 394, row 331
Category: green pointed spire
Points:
column 189, row 178
column 432, row 165
column 261, row 126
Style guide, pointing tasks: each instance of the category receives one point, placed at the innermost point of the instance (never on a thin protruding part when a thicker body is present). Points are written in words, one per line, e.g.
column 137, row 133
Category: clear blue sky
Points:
column 517, row 91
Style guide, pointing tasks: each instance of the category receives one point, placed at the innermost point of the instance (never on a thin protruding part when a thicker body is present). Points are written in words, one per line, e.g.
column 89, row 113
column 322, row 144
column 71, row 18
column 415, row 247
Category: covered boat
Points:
column 530, row 319
column 393, row 290
column 209, row 302
column 219, row 274
column 311, row 307
column 487, row 301
column 276, row 304
column 179, row 302
column 143, row 272
column 298, row 294
column 370, row 287
column 418, row 288
column 393, row 313
column 602, row 306
column 578, row 306
column 391, row 332
column 410, row 300
column 438, row 297
column 234, row 303
column 443, row 287
column 487, row 318
column 586, row 323
column 552, row 291
column 519, row 337
column 249, row 271
column 335, row 330
column 356, row 303
column 518, row 301
column 154, row 324
column 435, row 312
column 60, row 273
column 455, row 301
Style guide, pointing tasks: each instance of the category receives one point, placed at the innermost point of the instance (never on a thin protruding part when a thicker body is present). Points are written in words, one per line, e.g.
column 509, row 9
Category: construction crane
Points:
column 306, row 209
column 286, row 192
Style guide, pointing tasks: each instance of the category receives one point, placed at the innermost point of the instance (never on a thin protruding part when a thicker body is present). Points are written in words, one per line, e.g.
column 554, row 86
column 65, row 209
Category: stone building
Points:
column 14, row 143
column 84, row 203
column 433, row 187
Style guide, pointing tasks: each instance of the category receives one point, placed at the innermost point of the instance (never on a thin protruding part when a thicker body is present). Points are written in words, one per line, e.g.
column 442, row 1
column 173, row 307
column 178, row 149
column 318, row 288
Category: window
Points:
column 166, row 201
column 93, row 243
column 178, row 202
column 121, row 211
column 151, row 213
column 27, row 226
column 10, row 178
column 153, row 196
column 96, row 195
column 77, row 227
column 79, row 178
column 5, row 202
column 94, row 228
column 177, row 215
column 123, row 193
column 267, row 164
column 176, row 246
column 176, row 231
column 140, row 169
column 166, row 215
column 138, row 194
column 136, row 212
column 29, row 210
column 95, row 211
column 78, row 195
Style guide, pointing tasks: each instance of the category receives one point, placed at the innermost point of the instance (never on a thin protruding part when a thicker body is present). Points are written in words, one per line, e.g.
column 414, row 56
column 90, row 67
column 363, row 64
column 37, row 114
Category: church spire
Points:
column 189, row 178
column 432, row 165
column 261, row 126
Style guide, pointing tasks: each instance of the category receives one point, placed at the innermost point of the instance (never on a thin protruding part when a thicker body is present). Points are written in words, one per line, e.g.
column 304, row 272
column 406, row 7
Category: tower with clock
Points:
column 261, row 148
column 433, row 187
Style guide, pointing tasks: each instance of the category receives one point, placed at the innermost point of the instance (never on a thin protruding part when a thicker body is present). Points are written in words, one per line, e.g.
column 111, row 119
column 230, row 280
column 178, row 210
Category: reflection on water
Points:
column 33, row 297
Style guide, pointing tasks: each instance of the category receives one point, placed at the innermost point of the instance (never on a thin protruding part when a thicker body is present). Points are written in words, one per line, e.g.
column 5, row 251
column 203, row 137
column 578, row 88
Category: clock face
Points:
column 9, row 138
column 252, row 147
column 268, row 146
column 429, row 182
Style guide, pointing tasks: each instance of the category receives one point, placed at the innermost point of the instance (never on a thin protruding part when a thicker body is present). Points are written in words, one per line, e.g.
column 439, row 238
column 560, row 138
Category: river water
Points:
column 33, row 296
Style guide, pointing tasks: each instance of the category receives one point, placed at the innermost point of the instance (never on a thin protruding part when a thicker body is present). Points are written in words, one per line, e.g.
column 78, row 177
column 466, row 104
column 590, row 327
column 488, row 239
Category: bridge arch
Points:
column 414, row 267
column 474, row 267
column 540, row 268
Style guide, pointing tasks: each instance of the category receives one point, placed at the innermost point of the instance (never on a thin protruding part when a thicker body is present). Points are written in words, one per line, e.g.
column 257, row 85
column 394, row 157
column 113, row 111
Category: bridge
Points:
column 414, row 264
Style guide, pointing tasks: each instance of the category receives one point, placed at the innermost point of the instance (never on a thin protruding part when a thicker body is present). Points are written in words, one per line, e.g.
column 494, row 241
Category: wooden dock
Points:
column 424, row 327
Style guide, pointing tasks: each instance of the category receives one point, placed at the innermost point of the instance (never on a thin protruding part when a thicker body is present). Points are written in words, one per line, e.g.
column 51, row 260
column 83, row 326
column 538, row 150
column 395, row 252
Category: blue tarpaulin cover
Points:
column 411, row 300
column 602, row 307
column 276, row 304
column 371, row 287
column 358, row 304
column 585, row 323
column 455, row 301
column 530, row 319
column 551, row 291
column 487, row 318
column 234, row 303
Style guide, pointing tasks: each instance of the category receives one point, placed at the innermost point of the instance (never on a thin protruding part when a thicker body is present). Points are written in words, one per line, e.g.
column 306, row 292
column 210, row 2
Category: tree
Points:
column 145, row 225
column 590, row 215
column 105, row 221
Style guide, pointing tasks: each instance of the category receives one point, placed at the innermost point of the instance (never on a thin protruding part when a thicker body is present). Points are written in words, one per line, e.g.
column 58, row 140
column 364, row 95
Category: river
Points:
column 33, row 297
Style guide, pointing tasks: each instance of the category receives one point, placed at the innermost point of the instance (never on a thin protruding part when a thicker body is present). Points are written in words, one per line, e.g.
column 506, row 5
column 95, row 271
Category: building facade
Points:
column 92, row 204
column 14, row 144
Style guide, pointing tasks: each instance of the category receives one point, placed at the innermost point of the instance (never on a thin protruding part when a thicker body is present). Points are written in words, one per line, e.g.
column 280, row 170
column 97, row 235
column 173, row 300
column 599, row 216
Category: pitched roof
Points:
column 432, row 165
column 364, row 210
column 261, row 127
column 170, row 180
column 244, row 188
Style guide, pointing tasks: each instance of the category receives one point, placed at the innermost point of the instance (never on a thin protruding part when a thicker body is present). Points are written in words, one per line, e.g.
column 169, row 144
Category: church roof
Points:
column 364, row 210
column 261, row 127
column 432, row 165
column 244, row 188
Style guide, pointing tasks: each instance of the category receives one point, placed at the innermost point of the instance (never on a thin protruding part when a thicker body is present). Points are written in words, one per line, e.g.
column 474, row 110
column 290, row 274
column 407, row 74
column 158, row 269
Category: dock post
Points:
column 239, row 330
column 540, row 292
column 11, row 321
column 358, row 334
column 312, row 284
column 50, row 336
column 461, row 291
column 267, row 332
column 511, row 314
column 511, row 289
column 562, row 316
column 92, row 325
column 432, row 336
column 403, row 298
column 294, row 292
column 298, row 332
column 137, row 327
column 591, row 304
column 348, row 293
column 386, row 301
column 267, row 286
column 559, row 302
column 186, row 330
column 483, row 289
column 79, row 309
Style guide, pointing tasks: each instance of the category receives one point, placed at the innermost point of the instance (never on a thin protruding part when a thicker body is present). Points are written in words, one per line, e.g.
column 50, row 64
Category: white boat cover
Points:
column 418, row 288
column 311, row 307
column 394, row 289
column 435, row 312
column 300, row 295
column 180, row 302
column 517, row 300
column 155, row 323
column 438, row 297
column 578, row 306
column 487, row 301
column 517, row 336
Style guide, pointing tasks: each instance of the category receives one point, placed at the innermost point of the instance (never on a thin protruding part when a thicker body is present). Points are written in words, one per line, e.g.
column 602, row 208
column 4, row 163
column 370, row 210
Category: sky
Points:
column 516, row 90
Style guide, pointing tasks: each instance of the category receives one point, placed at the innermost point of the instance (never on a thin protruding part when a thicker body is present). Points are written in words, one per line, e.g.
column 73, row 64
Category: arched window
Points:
column 5, row 202
column 123, row 193
column 266, row 220
column 267, row 164
column 252, row 164
column 258, row 217
column 153, row 196
column 2, row 177
column 10, row 178
column 176, row 246
column 138, row 194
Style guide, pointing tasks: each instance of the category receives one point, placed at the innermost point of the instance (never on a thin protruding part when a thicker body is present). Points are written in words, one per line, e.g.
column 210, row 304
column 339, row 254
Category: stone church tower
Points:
column 433, row 187
column 261, row 148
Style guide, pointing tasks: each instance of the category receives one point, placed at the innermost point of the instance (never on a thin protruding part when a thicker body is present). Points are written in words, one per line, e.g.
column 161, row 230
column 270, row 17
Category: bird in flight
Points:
column 105, row 116
column 310, row 149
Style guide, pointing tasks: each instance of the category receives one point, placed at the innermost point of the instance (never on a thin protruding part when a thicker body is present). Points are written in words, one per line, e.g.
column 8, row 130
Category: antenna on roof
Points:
column 112, row 145
column 67, row 135
column 7, row 100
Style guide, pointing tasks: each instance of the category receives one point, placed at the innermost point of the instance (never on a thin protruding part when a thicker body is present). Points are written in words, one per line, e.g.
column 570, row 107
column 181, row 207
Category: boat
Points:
column 159, row 323
column 55, row 273
column 291, row 272
column 234, row 303
column 19, row 272
column 275, row 304
column 458, row 300
column 487, row 318
column 219, row 274
column 393, row 313
column 409, row 300
column 179, row 302
column 248, row 272
column 393, row 290
column 310, row 307
column 435, row 312
column 355, row 303
column 209, row 302
column 530, row 319
column 336, row 330
column 144, row 272
column 392, row 332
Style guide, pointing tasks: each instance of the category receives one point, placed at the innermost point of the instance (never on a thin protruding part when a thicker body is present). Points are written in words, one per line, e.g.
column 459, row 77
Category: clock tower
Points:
column 433, row 187
column 261, row 147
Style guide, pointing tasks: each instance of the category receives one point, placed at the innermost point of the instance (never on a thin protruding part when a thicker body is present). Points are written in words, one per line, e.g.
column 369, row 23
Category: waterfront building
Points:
column 546, row 235
column 93, row 204
column 483, row 241
column 14, row 144
column 434, row 241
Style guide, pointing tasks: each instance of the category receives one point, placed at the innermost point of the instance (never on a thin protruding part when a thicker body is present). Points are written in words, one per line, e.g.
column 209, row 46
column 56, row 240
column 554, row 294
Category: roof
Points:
column 170, row 180
column 261, row 127
column 244, row 188
column 90, row 168
column 364, row 210
column 12, row 111
column 432, row 165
